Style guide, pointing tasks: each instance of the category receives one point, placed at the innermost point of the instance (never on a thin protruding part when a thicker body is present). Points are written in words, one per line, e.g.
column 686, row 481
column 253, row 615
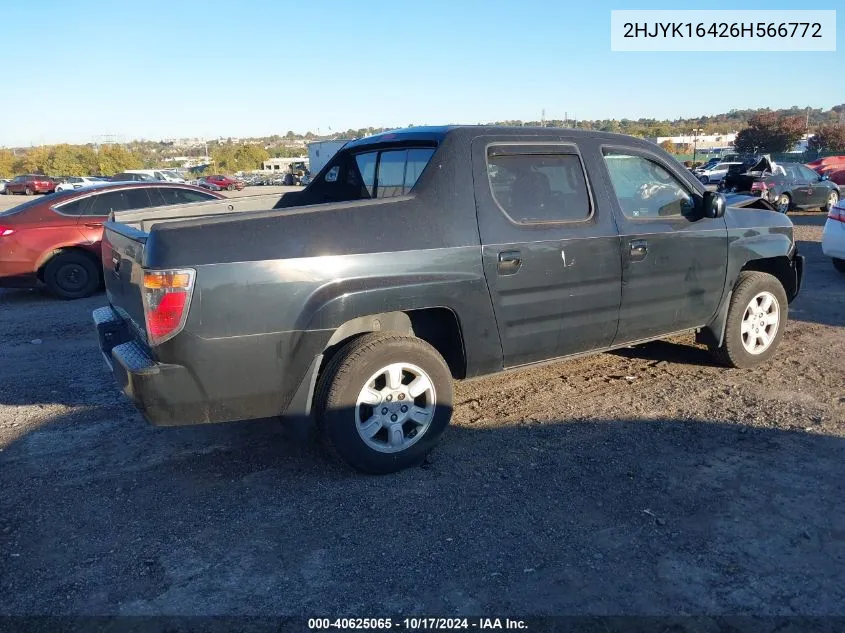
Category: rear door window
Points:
column 124, row 200
column 538, row 188
column 174, row 195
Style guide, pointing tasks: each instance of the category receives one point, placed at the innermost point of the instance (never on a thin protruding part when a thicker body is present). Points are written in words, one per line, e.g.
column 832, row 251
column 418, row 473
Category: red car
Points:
column 30, row 184
column 229, row 184
column 55, row 240
column 832, row 166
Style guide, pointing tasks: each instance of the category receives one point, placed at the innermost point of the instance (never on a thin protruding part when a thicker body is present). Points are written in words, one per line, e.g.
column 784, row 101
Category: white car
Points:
column 715, row 174
column 3, row 182
column 833, row 238
column 76, row 182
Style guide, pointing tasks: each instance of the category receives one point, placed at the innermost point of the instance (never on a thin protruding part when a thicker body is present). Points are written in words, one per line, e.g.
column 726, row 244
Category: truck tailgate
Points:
column 123, row 256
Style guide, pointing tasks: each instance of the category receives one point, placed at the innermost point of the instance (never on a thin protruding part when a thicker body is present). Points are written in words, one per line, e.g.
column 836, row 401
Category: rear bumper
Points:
column 166, row 394
column 170, row 394
column 833, row 239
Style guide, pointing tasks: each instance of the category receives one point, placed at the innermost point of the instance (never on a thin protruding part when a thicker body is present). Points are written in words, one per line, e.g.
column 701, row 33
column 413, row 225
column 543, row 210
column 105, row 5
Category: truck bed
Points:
column 144, row 219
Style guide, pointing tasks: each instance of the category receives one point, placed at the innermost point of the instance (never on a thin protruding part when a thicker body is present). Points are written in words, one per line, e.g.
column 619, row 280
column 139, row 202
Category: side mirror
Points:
column 714, row 204
column 824, row 177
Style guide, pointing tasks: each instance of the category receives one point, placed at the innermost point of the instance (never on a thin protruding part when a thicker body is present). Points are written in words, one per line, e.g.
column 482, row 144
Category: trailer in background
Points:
column 321, row 152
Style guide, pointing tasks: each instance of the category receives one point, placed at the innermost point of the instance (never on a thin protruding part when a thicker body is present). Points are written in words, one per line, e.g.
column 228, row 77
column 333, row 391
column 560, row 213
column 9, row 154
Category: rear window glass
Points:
column 391, row 174
column 54, row 199
column 366, row 164
column 369, row 174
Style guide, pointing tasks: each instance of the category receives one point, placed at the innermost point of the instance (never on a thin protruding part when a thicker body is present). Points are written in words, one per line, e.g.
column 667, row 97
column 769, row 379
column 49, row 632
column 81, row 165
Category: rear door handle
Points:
column 639, row 250
column 93, row 225
column 509, row 262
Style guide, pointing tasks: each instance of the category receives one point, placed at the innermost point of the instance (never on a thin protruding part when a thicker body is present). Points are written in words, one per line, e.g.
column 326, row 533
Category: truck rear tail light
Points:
column 5, row 230
column 837, row 213
column 167, row 299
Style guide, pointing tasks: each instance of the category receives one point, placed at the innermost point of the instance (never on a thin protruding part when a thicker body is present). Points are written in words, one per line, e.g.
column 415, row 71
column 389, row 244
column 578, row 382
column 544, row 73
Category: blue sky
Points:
column 156, row 69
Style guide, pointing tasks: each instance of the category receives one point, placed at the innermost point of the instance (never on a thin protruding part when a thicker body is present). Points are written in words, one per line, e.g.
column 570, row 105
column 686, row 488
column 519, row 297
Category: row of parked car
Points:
column 29, row 184
column 788, row 186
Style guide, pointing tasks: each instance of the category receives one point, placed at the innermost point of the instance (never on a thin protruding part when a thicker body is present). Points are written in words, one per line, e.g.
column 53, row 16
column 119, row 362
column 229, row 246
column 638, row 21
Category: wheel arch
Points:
column 780, row 267
column 439, row 326
column 50, row 255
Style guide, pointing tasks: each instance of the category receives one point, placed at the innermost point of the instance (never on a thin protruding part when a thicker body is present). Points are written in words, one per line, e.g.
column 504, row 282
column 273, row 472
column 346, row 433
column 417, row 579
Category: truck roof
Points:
column 436, row 133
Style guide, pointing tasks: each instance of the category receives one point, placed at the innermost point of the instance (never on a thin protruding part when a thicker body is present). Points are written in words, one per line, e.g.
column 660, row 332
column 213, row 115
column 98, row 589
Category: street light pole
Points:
column 695, row 133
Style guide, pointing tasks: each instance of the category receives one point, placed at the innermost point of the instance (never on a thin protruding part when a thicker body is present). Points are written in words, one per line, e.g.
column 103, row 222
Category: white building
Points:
column 321, row 152
column 282, row 164
column 701, row 142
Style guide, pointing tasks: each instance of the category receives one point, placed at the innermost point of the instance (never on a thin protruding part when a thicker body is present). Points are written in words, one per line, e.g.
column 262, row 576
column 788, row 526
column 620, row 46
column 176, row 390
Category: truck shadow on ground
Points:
column 815, row 219
column 105, row 515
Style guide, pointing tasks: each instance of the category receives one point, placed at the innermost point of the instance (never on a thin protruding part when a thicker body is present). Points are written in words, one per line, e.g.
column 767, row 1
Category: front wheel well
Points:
column 780, row 268
column 68, row 249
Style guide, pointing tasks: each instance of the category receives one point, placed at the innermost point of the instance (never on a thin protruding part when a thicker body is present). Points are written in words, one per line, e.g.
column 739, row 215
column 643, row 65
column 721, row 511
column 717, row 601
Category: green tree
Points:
column 35, row 160
column 7, row 164
column 611, row 126
column 112, row 159
column 242, row 157
column 669, row 146
column 828, row 138
column 63, row 160
column 770, row 132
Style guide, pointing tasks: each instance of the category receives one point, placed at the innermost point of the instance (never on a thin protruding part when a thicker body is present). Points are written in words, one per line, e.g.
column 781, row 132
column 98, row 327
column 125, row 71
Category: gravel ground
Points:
column 641, row 482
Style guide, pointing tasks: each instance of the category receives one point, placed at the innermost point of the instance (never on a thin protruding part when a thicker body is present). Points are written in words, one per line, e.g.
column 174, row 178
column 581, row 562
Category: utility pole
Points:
column 543, row 117
column 695, row 132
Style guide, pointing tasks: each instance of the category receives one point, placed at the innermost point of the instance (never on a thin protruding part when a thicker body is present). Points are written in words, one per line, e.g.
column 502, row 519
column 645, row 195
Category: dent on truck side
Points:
column 757, row 240
column 273, row 289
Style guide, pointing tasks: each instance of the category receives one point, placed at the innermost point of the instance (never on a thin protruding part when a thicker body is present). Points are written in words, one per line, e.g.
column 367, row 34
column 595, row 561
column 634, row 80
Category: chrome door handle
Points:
column 509, row 262
column 639, row 250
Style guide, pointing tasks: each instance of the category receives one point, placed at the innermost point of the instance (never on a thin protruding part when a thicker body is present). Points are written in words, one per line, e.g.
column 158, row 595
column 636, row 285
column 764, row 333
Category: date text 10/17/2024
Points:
column 417, row 624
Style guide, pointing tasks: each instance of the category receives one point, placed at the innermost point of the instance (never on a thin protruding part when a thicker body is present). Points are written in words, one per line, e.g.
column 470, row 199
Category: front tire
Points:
column 72, row 275
column 27, row 192
column 832, row 199
column 839, row 264
column 383, row 402
column 756, row 320
column 230, row 188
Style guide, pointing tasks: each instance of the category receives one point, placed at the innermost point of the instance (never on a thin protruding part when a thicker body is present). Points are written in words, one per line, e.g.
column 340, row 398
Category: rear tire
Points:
column 839, row 264
column 383, row 402
column 72, row 275
column 27, row 192
column 756, row 320
column 784, row 202
column 832, row 199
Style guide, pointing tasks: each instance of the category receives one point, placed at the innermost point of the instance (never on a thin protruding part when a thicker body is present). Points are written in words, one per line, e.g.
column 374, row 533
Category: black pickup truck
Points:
column 430, row 254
